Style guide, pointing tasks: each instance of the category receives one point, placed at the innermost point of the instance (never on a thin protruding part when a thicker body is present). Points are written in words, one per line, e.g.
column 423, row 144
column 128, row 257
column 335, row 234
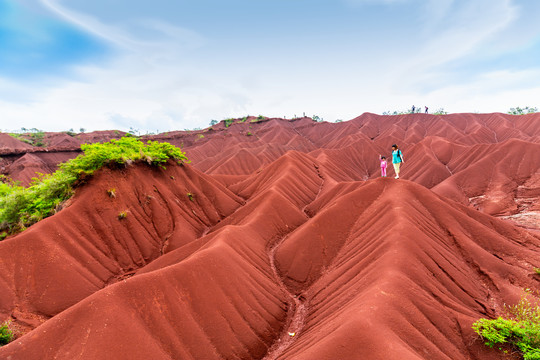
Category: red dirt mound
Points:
column 9, row 144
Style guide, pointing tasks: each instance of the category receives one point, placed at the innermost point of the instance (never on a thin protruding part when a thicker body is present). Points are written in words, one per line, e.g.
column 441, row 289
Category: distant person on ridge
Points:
column 412, row 112
column 426, row 109
column 383, row 165
column 397, row 159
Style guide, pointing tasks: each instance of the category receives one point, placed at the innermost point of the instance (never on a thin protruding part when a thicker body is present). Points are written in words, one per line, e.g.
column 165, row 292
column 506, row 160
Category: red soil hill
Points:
column 378, row 268
column 287, row 231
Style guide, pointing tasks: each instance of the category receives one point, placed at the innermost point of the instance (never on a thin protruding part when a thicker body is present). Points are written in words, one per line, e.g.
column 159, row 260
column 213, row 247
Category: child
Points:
column 383, row 165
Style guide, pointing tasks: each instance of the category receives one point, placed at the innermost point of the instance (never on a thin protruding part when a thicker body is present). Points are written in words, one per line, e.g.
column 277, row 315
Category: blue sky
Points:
column 176, row 64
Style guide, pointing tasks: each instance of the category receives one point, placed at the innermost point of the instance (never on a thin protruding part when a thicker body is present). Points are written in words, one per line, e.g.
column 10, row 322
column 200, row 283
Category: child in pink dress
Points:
column 383, row 165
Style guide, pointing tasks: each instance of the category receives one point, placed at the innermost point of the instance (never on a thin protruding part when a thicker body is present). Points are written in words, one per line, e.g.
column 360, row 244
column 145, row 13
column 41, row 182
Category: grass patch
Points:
column 21, row 207
column 520, row 328
column 34, row 137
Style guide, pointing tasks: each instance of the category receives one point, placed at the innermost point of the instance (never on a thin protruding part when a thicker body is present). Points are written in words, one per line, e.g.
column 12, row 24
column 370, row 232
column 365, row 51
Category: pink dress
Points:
column 383, row 167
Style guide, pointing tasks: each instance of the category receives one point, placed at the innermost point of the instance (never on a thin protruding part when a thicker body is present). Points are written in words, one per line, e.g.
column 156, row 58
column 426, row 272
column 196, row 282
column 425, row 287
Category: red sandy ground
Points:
column 289, row 230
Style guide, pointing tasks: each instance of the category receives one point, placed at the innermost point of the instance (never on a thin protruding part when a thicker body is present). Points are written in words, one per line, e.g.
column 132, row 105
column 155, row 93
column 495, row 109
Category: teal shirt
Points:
column 395, row 158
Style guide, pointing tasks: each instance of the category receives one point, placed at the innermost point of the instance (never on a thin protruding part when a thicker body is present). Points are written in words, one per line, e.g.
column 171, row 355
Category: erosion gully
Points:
column 297, row 308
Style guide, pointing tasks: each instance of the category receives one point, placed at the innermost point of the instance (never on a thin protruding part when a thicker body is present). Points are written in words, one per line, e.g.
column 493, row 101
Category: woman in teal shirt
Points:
column 397, row 159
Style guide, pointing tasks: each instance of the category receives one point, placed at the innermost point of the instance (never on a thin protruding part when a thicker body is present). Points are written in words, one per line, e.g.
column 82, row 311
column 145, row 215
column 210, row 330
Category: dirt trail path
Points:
column 297, row 307
column 297, row 310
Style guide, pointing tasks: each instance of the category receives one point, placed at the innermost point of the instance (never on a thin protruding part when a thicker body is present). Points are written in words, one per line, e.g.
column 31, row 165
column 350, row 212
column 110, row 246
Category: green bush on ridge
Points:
column 21, row 207
column 521, row 330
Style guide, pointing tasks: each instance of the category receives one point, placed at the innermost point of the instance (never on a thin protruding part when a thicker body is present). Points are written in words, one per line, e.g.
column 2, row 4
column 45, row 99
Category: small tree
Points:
column 213, row 122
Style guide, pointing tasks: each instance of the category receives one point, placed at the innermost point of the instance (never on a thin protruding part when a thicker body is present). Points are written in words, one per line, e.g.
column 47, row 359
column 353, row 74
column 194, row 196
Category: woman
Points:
column 397, row 159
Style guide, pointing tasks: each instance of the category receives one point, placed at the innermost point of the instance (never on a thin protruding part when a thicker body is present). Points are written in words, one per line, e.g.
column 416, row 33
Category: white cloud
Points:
column 161, row 78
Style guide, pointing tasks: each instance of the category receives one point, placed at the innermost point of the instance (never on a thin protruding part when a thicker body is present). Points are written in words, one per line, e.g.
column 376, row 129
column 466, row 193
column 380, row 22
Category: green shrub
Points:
column 522, row 329
column 522, row 111
column 6, row 335
column 21, row 207
column 228, row 122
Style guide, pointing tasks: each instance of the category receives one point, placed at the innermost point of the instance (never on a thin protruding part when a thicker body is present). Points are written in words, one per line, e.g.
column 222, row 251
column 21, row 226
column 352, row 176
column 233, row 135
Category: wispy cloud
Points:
column 35, row 44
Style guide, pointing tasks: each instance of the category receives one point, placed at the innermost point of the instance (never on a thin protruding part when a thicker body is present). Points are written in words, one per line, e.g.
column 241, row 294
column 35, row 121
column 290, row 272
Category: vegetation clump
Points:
column 521, row 329
column 522, row 111
column 395, row 112
column 6, row 335
column 32, row 136
column 70, row 132
column 21, row 207
column 440, row 111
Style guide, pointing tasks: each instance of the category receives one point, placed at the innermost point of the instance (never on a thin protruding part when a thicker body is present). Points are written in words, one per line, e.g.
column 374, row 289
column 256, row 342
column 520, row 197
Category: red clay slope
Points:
column 389, row 268
column 378, row 269
column 215, row 297
column 67, row 257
